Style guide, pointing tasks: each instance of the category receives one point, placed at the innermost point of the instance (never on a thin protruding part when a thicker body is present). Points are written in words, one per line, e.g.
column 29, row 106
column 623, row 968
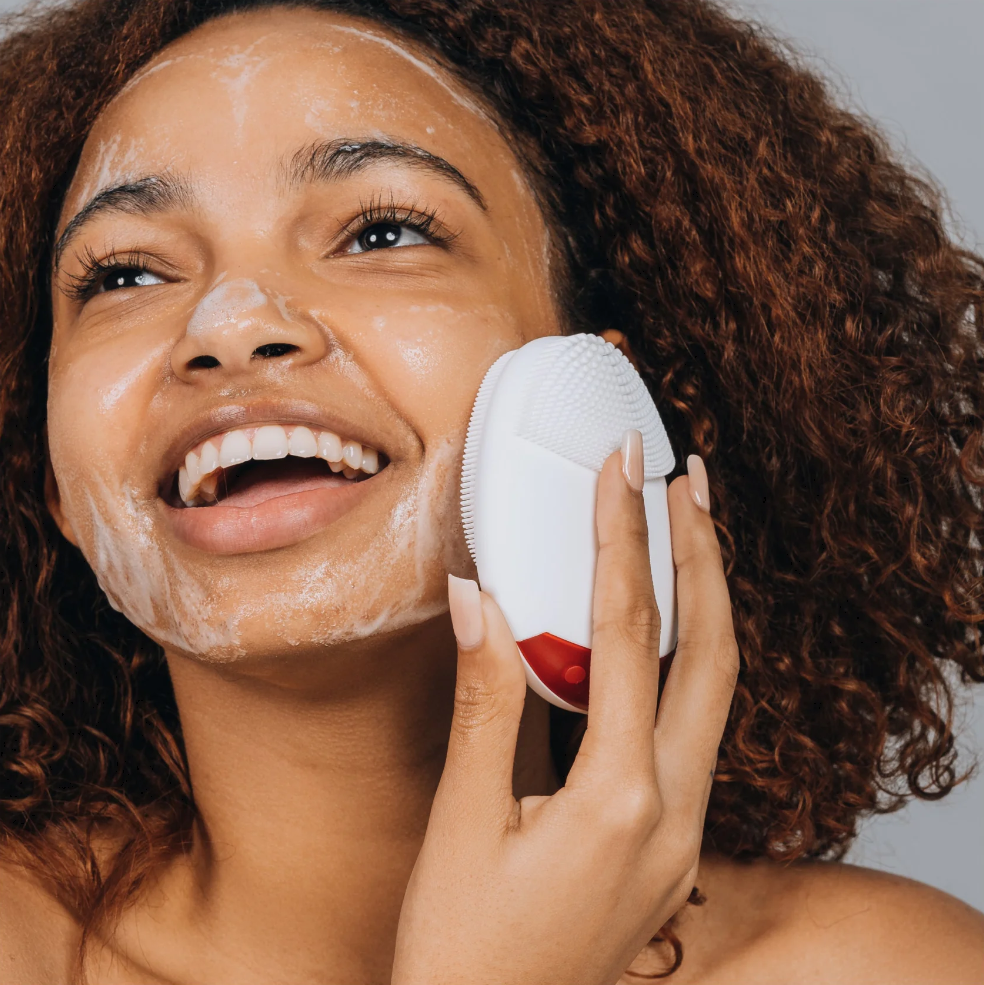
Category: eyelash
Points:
column 424, row 221
column 94, row 270
column 427, row 222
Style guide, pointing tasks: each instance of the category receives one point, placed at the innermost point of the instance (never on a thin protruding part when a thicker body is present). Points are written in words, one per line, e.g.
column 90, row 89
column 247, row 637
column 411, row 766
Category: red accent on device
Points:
column 564, row 667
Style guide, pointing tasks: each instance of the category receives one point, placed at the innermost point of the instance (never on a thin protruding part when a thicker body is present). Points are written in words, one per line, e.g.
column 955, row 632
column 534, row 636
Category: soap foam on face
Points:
column 396, row 580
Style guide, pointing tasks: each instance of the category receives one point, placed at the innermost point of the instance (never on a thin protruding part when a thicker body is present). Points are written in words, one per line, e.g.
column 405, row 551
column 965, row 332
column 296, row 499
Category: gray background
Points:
column 916, row 67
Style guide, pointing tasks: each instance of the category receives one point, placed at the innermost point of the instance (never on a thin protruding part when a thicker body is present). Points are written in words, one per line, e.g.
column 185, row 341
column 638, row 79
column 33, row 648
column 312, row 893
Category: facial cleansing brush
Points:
column 546, row 417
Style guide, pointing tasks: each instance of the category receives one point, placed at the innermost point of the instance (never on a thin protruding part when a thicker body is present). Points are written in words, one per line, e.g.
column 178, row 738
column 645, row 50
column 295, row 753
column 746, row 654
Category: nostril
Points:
column 273, row 349
column 203, row 362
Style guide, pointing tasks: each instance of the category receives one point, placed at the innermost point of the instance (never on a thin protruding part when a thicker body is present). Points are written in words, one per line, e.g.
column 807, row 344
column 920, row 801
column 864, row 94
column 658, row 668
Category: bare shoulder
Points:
column 37, row 936
column 814, row 922
column 873, row 925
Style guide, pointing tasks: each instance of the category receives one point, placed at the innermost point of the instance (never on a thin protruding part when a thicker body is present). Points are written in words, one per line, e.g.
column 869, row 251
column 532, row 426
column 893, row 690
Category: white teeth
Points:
column 330, row 447
column 269, row 442
column 191, row 464
column 302, row 443
column 236, row 448
column 209, row 460
column 352, row 454
column 198, row 478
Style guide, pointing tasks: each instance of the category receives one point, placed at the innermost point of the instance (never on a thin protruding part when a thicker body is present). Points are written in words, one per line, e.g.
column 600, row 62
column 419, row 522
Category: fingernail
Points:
column 698, row 482
column 633, row 465
column 465, row 603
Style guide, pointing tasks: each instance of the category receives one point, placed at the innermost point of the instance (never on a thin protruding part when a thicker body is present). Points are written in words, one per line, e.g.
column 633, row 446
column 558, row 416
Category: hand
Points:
column 568, row 889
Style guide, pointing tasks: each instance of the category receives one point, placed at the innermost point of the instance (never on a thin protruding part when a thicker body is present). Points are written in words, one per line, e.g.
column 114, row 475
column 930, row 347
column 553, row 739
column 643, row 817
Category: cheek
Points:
column 97, row 409
column 428, row 359
column 438, row 536
column 97, row 421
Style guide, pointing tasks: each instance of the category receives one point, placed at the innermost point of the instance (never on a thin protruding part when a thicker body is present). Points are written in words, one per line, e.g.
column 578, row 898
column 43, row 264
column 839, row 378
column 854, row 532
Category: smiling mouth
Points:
column 247, row 466
column 267, row 486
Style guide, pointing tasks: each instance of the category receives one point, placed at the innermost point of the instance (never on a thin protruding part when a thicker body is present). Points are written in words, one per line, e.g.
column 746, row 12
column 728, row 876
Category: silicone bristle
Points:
column 586, row 394
column 473, row 439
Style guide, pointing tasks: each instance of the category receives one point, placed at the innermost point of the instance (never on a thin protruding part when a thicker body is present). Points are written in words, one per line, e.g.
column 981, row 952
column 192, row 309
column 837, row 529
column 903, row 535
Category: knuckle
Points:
column 725, row 659
column 641, row 619
column 687, row 849
column 684, row 886
column 475, row 706
column 632, row 811
column 680, row 841
column 690, row 877
column 637, row 623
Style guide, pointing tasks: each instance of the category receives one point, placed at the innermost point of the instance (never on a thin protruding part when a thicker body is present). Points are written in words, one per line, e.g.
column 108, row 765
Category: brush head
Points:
column 581, row 395
column 586, row 394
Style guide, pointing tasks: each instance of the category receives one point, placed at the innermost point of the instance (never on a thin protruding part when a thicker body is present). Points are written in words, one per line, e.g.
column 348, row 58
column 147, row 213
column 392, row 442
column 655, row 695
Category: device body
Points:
column 546, row 417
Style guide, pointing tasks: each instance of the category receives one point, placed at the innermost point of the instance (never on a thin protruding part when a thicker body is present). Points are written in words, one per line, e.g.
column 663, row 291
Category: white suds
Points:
column 146, row 584
column 225, row 304
column 111, row 396
column 397, row 49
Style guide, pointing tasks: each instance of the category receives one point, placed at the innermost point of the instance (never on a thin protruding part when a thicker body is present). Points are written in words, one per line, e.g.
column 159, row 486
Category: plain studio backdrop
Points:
column 915, row 67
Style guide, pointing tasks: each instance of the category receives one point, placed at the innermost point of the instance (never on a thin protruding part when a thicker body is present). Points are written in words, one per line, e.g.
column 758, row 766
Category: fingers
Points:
column 697, row 697
column 476, row 785
column 626, row 625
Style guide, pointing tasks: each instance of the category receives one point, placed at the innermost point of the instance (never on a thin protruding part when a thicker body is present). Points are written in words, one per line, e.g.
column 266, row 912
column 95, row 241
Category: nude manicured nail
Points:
column 465, row 603
column 698, row 482
column 633, row 464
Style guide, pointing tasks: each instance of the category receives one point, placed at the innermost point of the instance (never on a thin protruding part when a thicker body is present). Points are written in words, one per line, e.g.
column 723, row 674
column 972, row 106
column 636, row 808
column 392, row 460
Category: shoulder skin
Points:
column 815, row 923
column 38, row 938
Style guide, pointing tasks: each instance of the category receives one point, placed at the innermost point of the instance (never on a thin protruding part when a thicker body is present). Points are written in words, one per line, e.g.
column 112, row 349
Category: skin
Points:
column 327, row 721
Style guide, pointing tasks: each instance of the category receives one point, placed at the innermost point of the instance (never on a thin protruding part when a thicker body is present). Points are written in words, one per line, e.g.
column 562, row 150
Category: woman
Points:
column 267, row 253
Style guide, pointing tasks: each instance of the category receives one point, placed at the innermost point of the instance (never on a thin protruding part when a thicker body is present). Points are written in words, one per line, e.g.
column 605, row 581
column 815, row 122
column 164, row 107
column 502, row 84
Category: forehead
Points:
column 236, row 95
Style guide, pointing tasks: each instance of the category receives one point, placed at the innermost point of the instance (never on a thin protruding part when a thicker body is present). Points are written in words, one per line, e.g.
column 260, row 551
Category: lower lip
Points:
column 277, row 522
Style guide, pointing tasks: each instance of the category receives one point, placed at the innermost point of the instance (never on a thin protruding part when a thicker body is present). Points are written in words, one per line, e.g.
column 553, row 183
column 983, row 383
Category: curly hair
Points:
column 795, row 304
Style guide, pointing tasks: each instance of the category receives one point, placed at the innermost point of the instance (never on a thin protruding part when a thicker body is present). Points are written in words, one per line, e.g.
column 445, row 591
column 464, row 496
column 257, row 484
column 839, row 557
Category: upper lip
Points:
column 230, row 416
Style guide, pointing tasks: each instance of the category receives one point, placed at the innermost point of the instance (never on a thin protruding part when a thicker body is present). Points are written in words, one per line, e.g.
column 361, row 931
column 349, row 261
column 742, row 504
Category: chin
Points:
column 347, row 583
column 260, row 632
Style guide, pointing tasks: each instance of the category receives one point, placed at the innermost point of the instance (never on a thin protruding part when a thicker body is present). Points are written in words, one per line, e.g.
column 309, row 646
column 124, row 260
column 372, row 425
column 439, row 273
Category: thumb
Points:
column 488, row 703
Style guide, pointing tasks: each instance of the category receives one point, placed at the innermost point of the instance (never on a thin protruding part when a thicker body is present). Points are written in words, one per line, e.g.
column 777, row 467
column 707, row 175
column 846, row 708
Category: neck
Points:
column 313, row 780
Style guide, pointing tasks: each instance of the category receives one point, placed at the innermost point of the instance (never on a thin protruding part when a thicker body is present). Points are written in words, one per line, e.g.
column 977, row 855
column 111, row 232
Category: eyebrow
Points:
column 154, row 193
column 331, row 160
column 325, row 161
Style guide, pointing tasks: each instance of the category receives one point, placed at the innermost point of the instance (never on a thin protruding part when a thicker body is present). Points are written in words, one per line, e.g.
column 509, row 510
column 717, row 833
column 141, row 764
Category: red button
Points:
column 553, row 659
column 575, row 674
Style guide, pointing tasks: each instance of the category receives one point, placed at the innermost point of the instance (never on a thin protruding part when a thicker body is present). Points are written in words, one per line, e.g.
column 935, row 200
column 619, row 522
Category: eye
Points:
column 381, row 235
column 119, row 278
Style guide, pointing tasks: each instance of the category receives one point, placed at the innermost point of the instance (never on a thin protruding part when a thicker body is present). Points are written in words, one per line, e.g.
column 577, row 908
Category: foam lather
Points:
column 546, row 417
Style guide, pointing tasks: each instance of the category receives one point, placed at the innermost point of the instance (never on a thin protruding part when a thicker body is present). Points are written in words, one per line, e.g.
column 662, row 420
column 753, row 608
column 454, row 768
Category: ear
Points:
column 621, row 343
column 52, row 498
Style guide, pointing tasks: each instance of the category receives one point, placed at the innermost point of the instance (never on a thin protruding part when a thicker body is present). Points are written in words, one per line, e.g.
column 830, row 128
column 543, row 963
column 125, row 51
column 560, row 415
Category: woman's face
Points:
column 312, row 230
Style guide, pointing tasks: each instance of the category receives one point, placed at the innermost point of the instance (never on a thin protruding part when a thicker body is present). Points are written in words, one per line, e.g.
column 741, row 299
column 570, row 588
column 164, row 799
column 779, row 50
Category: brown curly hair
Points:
column 795, row 305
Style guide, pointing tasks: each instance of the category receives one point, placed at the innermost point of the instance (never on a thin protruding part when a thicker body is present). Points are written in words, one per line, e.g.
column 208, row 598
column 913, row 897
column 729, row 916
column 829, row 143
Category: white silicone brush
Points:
column 546, row 417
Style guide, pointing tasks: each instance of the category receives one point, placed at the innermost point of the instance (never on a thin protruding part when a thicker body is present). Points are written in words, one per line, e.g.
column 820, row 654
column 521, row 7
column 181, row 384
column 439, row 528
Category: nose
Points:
column 237, row 328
